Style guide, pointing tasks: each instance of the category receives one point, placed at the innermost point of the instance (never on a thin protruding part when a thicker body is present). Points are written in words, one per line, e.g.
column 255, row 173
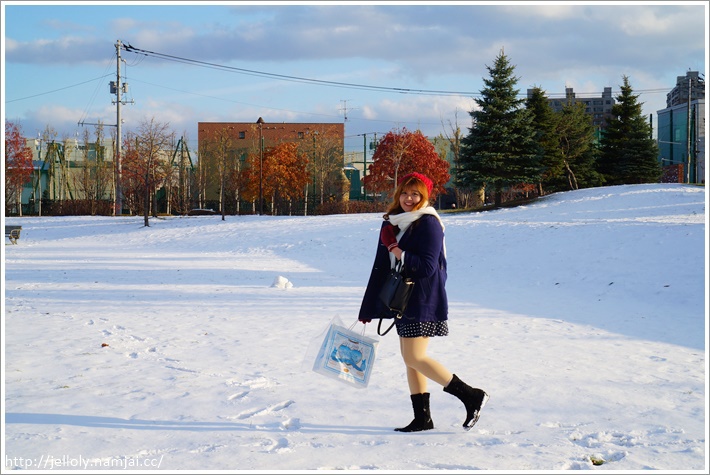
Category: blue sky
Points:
column 58, row 59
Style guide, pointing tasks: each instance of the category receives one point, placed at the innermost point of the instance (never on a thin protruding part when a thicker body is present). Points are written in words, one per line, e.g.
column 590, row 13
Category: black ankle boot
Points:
column 473, row 398
column 422, row 414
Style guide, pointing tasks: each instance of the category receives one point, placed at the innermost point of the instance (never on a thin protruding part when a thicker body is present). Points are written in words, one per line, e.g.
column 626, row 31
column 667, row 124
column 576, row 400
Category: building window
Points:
column 300, row 135
column 242, row 135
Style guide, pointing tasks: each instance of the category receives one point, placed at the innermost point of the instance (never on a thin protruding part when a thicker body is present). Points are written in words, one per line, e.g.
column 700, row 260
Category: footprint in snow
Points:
column 279, row 445
column 237, row 395
column 266, row 410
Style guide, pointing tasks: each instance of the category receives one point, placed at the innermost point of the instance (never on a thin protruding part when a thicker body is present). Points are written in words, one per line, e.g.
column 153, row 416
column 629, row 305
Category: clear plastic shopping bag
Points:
column 346, row 355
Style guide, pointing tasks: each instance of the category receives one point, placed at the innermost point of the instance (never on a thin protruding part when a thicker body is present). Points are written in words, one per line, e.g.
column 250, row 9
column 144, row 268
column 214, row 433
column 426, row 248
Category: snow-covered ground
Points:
column 182, row 346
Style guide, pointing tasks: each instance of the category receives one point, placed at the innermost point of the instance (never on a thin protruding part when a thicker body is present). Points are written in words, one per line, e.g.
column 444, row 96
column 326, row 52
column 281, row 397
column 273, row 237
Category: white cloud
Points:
column 551, row 11
column 124, row 24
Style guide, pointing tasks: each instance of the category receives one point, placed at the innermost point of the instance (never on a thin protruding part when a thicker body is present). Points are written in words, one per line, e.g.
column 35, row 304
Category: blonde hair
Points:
column 408, row 182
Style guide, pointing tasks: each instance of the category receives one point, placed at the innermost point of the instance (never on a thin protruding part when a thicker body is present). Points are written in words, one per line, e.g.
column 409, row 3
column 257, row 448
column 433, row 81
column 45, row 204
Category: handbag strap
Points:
column 352, row 327
column 379, row 327
column 394, row 321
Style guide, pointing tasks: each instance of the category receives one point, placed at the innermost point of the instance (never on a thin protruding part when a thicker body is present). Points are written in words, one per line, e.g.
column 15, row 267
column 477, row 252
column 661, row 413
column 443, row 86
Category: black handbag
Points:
column 395, row 294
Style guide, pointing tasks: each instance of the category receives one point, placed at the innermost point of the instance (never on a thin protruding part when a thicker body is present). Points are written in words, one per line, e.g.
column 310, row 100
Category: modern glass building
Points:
column 681, row 129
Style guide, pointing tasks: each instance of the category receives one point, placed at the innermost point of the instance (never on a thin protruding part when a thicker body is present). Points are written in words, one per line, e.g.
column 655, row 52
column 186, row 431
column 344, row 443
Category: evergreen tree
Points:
column 500, row 150
column 628, row 152
column 575, row 133
column 545, row 122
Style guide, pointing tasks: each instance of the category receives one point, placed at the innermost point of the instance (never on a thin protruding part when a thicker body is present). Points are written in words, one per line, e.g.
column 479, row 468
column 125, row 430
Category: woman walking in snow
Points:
column 413, row 233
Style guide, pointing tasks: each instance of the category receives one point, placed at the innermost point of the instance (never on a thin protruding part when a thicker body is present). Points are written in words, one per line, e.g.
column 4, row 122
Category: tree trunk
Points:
column 155, row 203
column 146, row 196
column 480, row 196
column 570, row 177
column 146, row 204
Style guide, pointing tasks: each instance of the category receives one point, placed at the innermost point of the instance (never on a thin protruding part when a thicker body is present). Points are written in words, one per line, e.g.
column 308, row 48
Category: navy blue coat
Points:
column 424, row 262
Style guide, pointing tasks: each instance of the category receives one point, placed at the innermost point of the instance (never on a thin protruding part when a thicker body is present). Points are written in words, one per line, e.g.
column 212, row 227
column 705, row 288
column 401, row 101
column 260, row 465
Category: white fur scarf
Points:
column 404, row 220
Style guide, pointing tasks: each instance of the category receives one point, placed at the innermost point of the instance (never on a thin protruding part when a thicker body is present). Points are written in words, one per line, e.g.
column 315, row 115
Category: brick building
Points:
column 323, row 143
column 246, row 135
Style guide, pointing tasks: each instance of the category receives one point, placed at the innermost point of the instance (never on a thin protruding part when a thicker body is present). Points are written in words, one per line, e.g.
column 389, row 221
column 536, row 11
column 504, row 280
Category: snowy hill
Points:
column 183, row 345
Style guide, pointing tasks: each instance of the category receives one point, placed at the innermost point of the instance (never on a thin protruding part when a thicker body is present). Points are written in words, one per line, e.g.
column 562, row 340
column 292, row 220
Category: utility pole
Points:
column 364, row 159
column 345, row 109
column 117, row 88
column 118, row 197
column 364, row 165
column 690, row 87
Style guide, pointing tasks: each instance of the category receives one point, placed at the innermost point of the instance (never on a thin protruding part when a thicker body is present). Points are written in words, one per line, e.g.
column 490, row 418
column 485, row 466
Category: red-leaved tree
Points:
column 18, row 167
column 402, row 152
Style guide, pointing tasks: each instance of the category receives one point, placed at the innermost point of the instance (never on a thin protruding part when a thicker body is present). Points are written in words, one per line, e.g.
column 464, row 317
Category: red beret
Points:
column 423, row 178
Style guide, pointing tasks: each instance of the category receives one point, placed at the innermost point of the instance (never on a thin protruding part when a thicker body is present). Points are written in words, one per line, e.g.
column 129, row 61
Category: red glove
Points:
column 387, row 236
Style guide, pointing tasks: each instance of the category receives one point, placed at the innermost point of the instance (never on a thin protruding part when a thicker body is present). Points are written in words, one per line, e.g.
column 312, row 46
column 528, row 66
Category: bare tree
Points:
column 152, row 142
column 219, row 151
column 94, row 179
column 325, row 152
column 222, row 150
column 465, row 197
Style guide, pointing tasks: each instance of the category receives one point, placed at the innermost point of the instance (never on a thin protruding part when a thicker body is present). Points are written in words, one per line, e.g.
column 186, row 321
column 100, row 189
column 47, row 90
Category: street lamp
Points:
column 260, row 121
column 315, row 135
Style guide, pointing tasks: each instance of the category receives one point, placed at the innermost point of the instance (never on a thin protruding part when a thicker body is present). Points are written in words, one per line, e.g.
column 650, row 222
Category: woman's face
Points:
column 409, row 198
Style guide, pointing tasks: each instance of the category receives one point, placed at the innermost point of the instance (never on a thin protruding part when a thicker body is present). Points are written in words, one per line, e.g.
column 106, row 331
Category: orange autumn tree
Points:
column 284, row 176
column 402, row 152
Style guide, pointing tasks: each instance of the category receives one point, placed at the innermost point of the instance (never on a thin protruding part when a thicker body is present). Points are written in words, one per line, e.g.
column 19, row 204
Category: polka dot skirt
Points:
column 416, row 329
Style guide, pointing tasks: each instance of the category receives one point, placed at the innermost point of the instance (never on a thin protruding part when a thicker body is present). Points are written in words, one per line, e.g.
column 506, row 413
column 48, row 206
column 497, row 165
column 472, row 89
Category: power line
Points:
column 56, row 90
column 96, row 91
column 230, row 100
column 307, row 80
column 284, row 77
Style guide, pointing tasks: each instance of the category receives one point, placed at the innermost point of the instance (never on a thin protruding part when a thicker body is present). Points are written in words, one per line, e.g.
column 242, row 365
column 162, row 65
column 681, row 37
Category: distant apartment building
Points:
column 60, row 168
column 688, row 88
column 598, row 107
column 681, row 131
column 69, row 171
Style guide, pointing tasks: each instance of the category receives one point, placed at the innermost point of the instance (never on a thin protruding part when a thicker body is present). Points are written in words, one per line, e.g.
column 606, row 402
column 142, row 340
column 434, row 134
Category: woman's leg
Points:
column 416, row 380
column 420, row 366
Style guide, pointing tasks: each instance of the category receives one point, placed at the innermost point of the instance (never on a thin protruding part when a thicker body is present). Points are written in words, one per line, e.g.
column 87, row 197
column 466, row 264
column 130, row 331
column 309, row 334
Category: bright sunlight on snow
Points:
column 181, row 346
